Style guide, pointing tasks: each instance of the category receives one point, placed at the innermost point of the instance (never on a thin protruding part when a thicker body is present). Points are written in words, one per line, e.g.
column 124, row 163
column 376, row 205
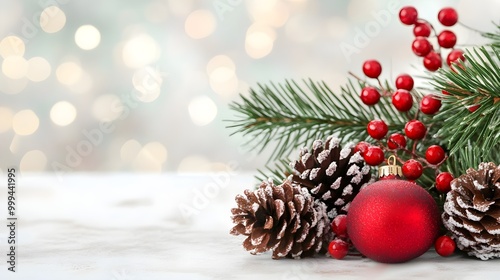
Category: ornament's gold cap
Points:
column 391, row 169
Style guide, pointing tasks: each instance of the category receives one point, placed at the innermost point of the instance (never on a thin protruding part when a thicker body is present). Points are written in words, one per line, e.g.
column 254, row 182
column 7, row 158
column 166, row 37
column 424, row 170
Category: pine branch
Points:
column 494, row 37
column 477, row 82
column 290, row 117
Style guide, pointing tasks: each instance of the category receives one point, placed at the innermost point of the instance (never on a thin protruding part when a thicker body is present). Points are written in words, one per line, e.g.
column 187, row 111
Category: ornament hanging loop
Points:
column 390, row 170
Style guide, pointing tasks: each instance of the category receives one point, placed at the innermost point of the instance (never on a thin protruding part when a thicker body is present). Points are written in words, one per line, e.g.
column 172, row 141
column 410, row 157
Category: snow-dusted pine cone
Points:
column 284, row 219
column 333, row 175
column 472, row 211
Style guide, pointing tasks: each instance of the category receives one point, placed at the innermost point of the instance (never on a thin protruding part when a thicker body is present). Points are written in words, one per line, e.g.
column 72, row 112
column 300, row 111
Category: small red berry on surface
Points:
column 415, row 130
column 430, row 105
column 339, row 226
column 454, row 56
column 377, row 129
column 432, row 61
column 422, row 29
column 402, row 100
column 434, row 154
column 445, row 92
column 370, row 95
column 447, row 39
column 404, row 81
column 374, row 156
column 421, row 46
column 338, row 248
column 412, row 169
column 408, row 15
column 396, row 140
column 445, row 246
column 361, row 147
column 448, row 16
column 372, row 68
column 443, row 182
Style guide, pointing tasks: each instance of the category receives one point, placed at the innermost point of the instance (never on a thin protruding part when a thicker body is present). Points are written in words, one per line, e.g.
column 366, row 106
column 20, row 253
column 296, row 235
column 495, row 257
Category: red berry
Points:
column 412, row 169
column 445, row 246
column 434, row 154
column 377, row 129
column 415, row 130
column 445, row 92
column 422, row 29
column 432, row 61
column 430, row 105
column 443, row 182
column 447, row 39
column 370, row 95
column 455, row 55
column 396, row 140
column 338, row 249
column 404, row 81
column 374, row 156
column 408, row 15
column 361, row 147
column 372, row 68
column 421, row 46
column 339, row 226
column 448, row 16
column 473, row 108
column 402, row 100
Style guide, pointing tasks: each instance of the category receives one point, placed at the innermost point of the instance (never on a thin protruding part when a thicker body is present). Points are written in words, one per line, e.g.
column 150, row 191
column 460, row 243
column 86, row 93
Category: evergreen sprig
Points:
column 477, row 82
column 493, row 36
column 290, row 117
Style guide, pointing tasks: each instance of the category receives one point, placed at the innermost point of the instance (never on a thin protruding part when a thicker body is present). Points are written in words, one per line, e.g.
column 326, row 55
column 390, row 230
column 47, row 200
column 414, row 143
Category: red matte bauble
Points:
column 393, row 221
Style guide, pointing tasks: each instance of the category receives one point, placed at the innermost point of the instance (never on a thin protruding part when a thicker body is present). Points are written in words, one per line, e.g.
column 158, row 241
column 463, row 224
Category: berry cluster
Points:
column 339, row 247
column 403, row 100
column 423, row 31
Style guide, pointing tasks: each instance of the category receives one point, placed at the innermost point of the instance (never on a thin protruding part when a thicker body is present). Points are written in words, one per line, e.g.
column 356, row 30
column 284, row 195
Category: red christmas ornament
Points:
column 393, row 221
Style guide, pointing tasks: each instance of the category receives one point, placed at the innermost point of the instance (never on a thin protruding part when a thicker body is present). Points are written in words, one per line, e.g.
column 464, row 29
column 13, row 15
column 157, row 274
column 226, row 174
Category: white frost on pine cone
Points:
column 331, row 168
column 323, row 156
column 345, row 152
column 356, row 158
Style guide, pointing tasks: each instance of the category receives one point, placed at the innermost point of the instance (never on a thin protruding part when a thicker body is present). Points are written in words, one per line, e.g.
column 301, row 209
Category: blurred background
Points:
column 145, row 85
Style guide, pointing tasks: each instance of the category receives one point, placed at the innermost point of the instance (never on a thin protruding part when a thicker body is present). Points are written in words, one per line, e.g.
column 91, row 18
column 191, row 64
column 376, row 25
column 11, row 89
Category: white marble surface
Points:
column 124, row 227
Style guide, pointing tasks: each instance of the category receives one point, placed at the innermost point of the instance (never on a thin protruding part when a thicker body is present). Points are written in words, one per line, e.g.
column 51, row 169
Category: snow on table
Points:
column 124, row 227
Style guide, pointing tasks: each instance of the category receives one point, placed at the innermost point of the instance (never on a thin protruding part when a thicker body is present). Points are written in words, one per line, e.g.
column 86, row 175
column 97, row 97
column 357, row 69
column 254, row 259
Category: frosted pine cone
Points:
column 333, row 175
column 472, row 211
column 283, row 219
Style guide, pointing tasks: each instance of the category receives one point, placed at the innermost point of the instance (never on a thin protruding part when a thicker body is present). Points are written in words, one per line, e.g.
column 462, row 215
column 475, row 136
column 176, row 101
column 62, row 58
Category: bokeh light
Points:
column 87, row 37
column 259, row 40
column 6, row 116
column 15, row 67
column 25, row 122
column 129, row 150
column 147, row 81
column 140, row 51
column 33, row 161
column 202, row 110
column 63, row 113
column 52, row 19
column 38, row 69
column 200, row 24
column 150, row 158
column 12, row 45
column 69, row 73
column 222, row 75
column 107, row 107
